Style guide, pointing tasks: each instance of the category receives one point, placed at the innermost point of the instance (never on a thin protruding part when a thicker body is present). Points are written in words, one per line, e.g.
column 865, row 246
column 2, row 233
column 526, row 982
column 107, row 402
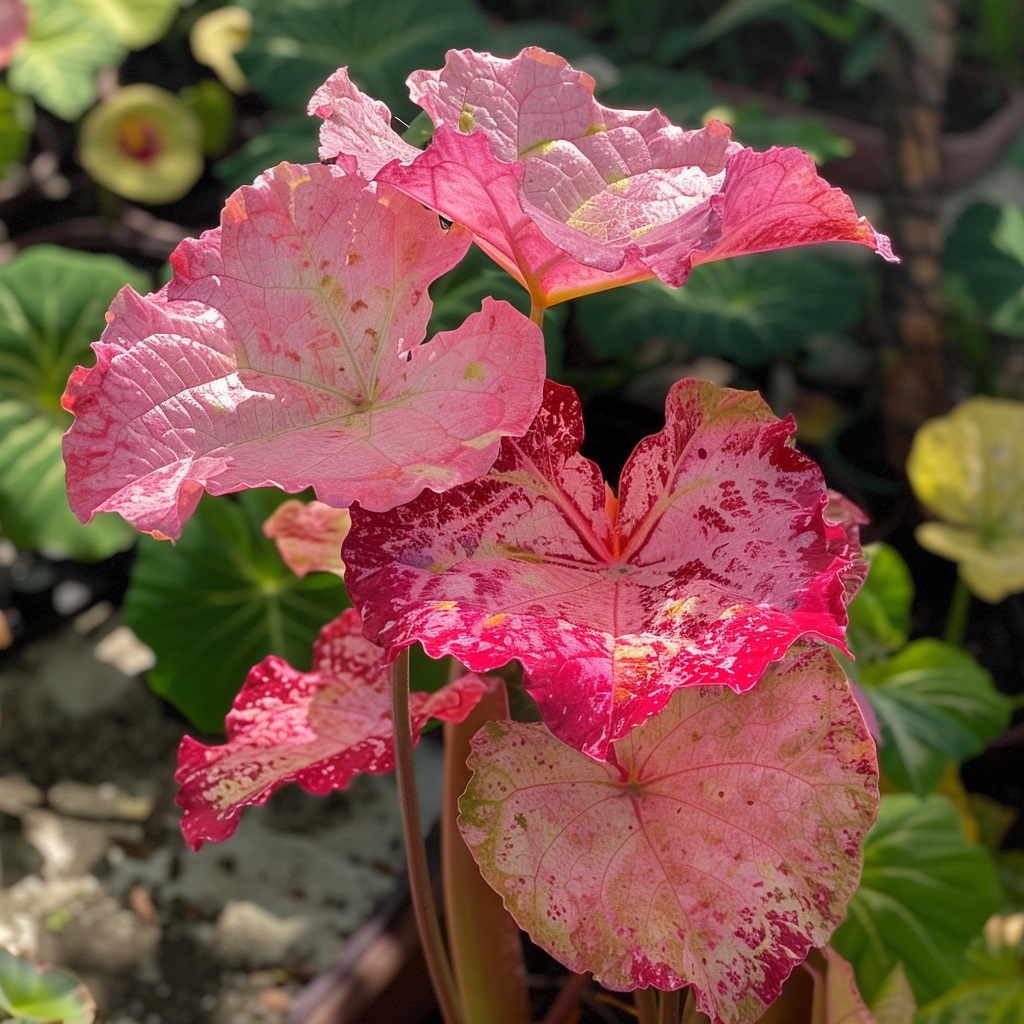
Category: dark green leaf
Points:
column 750, row 311
column 935, row 704
column 219, row 601
column 52, row 305
column 296, row 46
column 17, row 117
column 924, row 894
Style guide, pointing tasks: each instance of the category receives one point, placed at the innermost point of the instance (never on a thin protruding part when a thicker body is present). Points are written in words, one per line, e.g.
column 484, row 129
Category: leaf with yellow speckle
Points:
column 718, row 844
column 722, row 549
column 286, row 351
column 316, row 728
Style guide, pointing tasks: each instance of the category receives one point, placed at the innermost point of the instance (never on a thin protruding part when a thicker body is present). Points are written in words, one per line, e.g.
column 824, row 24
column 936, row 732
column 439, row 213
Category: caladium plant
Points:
column 689, row 811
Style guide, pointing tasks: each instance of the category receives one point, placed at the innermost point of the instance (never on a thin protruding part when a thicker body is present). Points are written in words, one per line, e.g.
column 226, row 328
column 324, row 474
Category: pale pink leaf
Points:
column 316, row 728
column 721, row 841
column 309, row 536
column 286, row 351
column 714, row 560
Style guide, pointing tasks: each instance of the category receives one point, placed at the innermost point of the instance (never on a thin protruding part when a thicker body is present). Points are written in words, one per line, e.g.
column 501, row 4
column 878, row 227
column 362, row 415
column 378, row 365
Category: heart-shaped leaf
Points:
column 935, row 704
column 42, row 995
column 719, row 843
column 316, row 728
column 925, row 891
column 715, row 558
column 219, row 601
column 51, row 307
column 286, row 351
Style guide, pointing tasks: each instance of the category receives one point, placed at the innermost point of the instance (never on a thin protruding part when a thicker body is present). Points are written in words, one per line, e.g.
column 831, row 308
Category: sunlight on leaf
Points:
column 42, row 995
column 718, row 844
column 285, row 352
column 309, row 536
column 316, row 728
column 572, row 197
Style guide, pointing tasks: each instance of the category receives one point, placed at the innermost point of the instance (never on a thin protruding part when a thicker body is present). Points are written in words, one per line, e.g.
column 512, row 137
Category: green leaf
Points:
column 58, row 62
column 296, row 46
column 935, row 704
column 134, row 23
column 52, row 305
column 42, row 995
column 880, row 613
column 986, row 252
column 749, row 311
column 924, row 894
column 221, row 600
column 993, row 990
column 17, row 118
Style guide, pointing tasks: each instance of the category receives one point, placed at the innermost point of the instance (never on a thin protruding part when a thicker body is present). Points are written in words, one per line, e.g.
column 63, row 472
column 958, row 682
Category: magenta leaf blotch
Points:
column 286, row 351
column 718, row 844
column 316, row 728
column 719, row 553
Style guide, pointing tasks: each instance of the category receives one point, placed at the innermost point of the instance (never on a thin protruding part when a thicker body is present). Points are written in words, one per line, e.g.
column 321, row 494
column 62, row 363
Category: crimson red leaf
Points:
column 716, row 558
column 721, row 841
column 316, row 728
column 286, row 351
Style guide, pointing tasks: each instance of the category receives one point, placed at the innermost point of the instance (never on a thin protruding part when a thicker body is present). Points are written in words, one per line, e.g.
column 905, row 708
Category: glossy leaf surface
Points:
column 714, row 559
column 717, row 845
column 925, row 891
column 286, row 351
column 316, row 728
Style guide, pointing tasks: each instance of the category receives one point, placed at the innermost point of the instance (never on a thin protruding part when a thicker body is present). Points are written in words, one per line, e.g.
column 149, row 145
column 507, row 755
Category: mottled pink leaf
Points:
column 286, row 351
column 309, row 536
column 721, row 841
column 714, row 560
column 316, row 728
column 573, row 197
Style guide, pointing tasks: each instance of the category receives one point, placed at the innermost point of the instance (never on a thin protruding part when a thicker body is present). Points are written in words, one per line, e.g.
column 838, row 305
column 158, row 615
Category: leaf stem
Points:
column 668, row 1007
column 415, row 850
column 959, row 609
column 646, row 1005
column 567, row 1000
column 537, row 314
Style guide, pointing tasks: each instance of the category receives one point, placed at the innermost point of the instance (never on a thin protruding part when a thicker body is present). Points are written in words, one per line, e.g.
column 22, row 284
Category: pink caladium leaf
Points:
column 718, row 844
column 716, row 557
column 316, row 728
column 309, row 536
column 573, row 197
column 286, row 351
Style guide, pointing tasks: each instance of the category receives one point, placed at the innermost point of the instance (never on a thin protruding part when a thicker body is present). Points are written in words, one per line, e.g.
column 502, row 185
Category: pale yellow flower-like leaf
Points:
column 967, row 468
